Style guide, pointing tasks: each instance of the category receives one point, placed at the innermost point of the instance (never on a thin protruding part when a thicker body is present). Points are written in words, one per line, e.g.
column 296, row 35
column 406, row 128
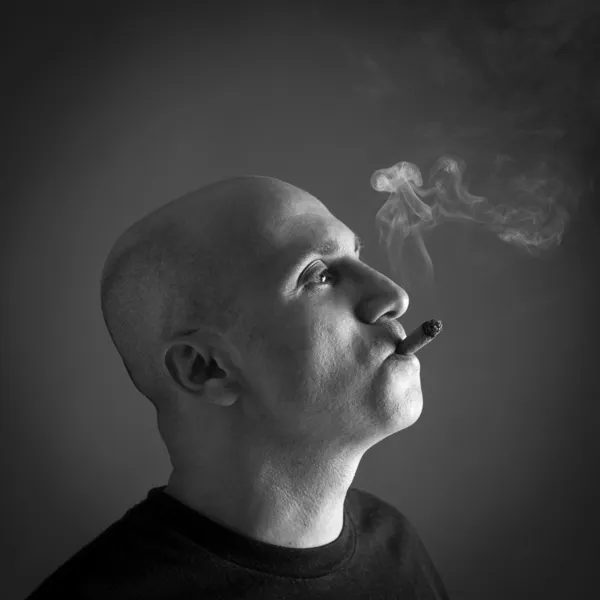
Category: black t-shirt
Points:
column 161, row 548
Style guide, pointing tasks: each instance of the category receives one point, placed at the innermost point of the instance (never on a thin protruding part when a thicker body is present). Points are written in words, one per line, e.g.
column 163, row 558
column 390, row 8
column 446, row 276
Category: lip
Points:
column 404, row 357
column 398, row 335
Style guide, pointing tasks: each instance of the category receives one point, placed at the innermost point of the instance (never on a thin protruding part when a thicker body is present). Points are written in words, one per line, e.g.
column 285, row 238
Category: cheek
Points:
column 310, row 355
column 331, row 345
column 279, row 362
column 342, row 365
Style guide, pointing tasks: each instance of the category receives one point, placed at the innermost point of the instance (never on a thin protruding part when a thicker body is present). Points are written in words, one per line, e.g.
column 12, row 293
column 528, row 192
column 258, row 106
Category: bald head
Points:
column 185, row 266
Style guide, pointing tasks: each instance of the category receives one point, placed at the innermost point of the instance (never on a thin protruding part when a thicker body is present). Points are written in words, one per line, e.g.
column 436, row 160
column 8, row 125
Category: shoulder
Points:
column 385, row 530
column 104, row 558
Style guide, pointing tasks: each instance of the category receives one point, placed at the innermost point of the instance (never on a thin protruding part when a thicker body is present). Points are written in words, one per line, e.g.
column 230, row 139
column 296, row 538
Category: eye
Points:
column 315, row 277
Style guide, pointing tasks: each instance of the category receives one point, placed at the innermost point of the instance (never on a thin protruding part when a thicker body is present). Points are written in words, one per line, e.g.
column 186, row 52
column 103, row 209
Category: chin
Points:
column 411, row 407
column 397, row 401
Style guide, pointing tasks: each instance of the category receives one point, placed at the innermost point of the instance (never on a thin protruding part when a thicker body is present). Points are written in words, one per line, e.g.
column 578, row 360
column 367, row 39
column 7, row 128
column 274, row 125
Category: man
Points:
column 244, row 313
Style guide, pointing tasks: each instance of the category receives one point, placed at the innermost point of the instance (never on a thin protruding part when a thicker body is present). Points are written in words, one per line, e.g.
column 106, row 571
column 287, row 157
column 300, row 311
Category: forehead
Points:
column 297, row 226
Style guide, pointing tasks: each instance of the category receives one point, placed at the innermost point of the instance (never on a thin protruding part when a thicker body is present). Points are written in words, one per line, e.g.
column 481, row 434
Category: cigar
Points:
column 419, row 338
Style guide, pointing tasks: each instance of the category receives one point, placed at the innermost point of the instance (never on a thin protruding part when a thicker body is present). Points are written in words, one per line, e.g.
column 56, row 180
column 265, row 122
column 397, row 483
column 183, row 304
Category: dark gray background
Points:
column 109, row 113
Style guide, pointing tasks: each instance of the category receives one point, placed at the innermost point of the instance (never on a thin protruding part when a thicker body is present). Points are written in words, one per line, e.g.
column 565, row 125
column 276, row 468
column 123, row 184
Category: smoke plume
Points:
column 529, row 216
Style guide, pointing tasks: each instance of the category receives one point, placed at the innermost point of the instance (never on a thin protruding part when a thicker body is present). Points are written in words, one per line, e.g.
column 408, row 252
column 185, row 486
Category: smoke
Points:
column 530, row 215
column 511, row 89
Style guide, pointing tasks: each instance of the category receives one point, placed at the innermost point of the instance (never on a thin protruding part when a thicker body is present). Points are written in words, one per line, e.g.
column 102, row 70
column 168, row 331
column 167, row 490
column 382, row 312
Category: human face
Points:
column 322, row 356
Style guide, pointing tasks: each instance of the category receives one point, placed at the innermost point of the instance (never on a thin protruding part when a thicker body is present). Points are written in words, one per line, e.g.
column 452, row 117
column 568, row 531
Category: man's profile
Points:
column 244, row 313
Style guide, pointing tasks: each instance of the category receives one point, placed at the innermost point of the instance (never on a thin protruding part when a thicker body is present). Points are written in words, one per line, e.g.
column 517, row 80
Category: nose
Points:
column 383, row 298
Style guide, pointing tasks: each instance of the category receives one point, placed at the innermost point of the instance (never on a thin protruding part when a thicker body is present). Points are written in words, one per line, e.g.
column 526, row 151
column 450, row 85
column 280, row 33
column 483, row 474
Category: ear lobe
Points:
column 218, row 392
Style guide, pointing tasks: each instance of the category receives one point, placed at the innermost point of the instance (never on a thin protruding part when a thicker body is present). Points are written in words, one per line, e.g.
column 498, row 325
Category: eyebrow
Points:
column 328, row 248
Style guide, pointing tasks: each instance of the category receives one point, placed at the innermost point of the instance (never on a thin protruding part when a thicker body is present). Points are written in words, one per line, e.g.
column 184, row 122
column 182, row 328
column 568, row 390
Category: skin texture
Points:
column 267, row 424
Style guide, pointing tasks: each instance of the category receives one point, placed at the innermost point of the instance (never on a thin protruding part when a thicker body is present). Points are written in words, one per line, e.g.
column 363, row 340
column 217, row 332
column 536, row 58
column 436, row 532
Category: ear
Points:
column 198, row 372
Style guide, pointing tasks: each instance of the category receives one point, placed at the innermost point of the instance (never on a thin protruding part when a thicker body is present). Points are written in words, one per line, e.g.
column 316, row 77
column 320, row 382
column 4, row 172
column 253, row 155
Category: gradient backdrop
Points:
column 110, row 112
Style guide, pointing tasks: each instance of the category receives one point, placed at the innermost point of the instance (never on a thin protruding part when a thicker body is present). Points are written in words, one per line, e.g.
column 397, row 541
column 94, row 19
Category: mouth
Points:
column 403, row 357
column 400, row 335
column 403, row 361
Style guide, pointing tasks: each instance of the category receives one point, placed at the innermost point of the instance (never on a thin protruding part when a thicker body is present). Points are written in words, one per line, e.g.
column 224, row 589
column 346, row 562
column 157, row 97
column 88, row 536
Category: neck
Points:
column 281, row 498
